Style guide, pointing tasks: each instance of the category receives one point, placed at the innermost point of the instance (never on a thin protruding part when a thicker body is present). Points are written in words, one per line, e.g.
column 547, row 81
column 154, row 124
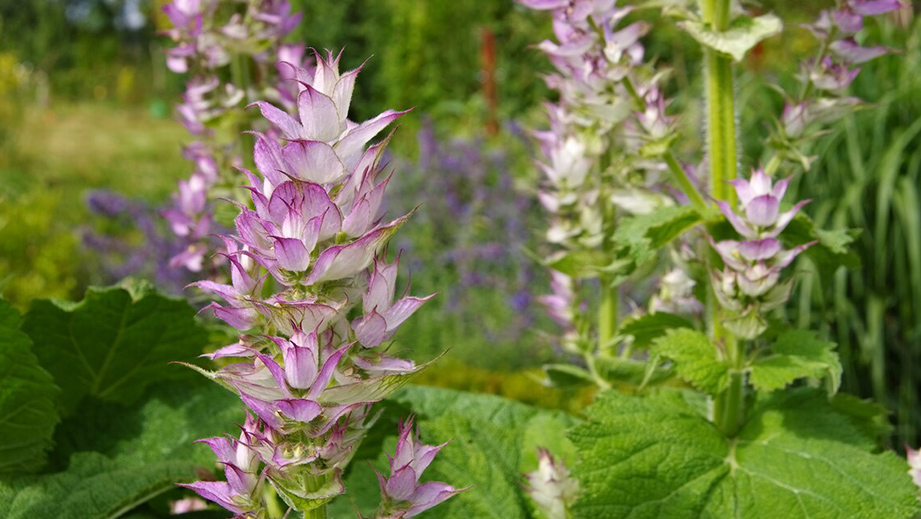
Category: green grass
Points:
column 54, row 157
column 869, row 178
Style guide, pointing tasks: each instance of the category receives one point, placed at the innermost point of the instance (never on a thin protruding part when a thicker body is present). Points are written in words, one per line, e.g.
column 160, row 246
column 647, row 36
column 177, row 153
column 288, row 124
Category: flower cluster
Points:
column 749, row 283
column 551, row 486
column 316, row 239
column 402, row 494
column 826, row 78
column 676, row 295
column 230, row 50
column 603, row 153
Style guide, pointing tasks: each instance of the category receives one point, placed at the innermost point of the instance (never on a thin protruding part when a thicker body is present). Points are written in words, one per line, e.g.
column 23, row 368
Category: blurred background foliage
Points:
column 85, row 105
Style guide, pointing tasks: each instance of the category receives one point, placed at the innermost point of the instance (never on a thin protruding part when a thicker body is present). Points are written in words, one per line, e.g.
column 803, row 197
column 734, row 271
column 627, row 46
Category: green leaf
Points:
column 695, row 358
column 567, row 376
column 493, row 442
column 796, row 354
column 796, row 458
column 111, row 345
column 648, row 327
column 618, row 370
column 585, row 264
column 165, row 427
column 27, row 399
column 832, row 248
column 644, row 235
column 93, row 487
column 117, row 457
column 742, row 36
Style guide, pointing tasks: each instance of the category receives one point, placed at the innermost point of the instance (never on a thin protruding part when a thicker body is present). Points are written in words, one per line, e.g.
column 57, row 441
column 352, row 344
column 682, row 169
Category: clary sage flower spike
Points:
column 307, row 373
column 749, row 283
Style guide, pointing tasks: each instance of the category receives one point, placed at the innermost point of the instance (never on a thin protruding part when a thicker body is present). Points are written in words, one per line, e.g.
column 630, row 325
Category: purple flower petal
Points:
column 313, row 161
column 299, row 409
column 850, row 51
column 318, row 114
column 350, row 147
column 280, row 119
column 292, row 254
column 874, row 7
column 760, row 249
column 740, row 226
column 763, row 210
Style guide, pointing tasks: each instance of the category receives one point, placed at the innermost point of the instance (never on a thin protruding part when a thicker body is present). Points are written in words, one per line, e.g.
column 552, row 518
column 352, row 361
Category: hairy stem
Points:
column 607, row 315
column 682, row 178
column 728, row 408
column 721, row 120
column 721, row 143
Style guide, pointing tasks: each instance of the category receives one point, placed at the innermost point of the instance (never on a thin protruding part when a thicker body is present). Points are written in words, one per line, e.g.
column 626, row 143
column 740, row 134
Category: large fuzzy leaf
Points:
column 93, row 487
column 113, row 344
column 493, row 442
column 27, row 399
column 796, row 458
column 115, row 457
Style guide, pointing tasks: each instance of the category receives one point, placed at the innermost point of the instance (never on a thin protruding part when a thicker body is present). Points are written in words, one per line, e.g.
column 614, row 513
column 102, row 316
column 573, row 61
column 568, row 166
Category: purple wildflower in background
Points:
column 121, row 256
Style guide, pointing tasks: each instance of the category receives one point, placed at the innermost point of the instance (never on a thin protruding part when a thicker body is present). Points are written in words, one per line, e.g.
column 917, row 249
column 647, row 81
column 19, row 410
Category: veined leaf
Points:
column 93, row 487
column 696, row 359
column 796, row 354
column 118, row 457
column 111, row 345
column 742, row 36
column 644, row 235
column 796, row 458
column 27, row 399
column 493, row 442
column 646, row 328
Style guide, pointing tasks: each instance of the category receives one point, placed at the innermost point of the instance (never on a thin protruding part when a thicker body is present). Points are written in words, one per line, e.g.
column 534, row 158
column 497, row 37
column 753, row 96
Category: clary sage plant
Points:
column 311, row 363
column 233, row 53
column 711, row 405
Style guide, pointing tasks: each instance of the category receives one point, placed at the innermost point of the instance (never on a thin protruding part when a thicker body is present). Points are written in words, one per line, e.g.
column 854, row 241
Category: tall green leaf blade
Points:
column 112, row 345
column 796, row 458
column 27, row 399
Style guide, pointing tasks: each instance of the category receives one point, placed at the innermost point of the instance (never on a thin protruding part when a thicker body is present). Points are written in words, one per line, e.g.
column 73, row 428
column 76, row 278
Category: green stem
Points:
column 316, row 513
column 721, row 125
column 721, row 145
column 673, row 165
column 773, row 164
column 682, row 178
column 607, row 314
column 721, row 117
column 728, row 408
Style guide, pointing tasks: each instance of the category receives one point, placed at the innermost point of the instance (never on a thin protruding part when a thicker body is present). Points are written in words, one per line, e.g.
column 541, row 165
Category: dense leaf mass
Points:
column 113, row 344
column 493, row 442
column 796, row 457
